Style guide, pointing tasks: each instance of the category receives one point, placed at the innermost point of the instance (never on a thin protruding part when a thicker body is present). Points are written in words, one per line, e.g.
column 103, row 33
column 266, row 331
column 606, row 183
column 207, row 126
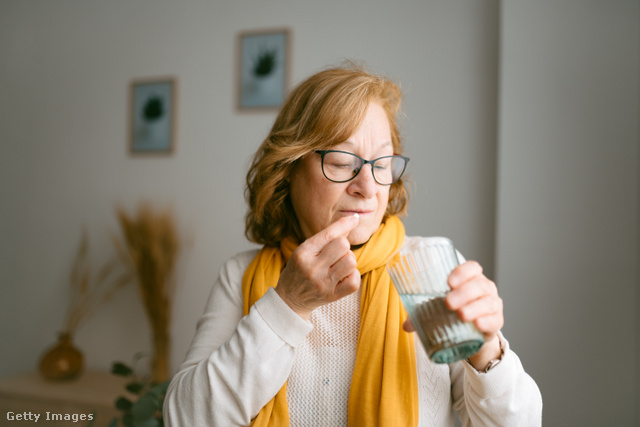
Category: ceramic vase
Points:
column 63, row 361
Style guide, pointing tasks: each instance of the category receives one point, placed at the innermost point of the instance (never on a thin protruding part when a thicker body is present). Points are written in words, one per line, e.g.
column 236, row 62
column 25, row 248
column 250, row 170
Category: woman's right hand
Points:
column 321, row 270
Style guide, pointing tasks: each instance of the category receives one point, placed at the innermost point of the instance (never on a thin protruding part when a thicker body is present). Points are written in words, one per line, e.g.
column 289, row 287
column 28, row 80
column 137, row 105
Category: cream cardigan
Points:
column 237, row 363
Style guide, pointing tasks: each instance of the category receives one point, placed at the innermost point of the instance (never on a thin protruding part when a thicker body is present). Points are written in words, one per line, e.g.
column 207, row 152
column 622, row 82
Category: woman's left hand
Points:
column 476, row 300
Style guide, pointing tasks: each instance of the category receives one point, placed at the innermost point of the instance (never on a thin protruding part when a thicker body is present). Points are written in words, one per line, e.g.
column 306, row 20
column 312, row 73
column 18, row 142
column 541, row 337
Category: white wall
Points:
column 64, row 78
column 567, row 175
column 567, row 245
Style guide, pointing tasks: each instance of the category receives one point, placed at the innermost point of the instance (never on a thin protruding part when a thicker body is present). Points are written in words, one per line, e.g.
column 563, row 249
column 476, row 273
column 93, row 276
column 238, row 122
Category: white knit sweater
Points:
column 236, row 364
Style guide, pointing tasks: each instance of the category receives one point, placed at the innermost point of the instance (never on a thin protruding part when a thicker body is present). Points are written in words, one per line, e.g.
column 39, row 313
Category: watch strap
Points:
column 494, row 362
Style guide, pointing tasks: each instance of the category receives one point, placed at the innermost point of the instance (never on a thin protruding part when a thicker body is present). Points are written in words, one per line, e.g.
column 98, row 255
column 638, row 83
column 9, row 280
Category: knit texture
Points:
column 384, row 385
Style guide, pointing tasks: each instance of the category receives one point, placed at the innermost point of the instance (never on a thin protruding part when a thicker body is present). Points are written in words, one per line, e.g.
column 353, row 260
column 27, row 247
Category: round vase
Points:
column 63, row 361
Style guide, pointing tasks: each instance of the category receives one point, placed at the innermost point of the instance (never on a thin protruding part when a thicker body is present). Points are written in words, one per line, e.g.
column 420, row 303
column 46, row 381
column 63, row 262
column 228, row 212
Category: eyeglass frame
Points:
column 362, row 163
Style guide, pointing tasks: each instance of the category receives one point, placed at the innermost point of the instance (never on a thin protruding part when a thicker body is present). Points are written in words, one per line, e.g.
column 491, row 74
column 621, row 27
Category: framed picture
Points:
column 263, row 68
column 152, row 113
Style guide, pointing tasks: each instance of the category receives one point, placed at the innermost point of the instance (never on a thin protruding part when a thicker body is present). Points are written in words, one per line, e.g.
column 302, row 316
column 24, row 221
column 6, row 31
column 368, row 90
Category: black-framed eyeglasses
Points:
column 342, row 166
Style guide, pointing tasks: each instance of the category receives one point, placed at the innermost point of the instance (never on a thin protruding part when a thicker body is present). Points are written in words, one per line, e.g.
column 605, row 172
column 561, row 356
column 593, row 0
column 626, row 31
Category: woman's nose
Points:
column 364, row 184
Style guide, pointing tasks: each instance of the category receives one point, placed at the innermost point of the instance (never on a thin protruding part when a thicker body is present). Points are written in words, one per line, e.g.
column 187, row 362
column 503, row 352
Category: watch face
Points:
column 492, row 364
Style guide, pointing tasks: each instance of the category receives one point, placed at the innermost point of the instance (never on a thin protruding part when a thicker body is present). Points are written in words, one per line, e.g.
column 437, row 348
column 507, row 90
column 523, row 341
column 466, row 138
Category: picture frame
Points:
column 152, row 115
column 263, row 63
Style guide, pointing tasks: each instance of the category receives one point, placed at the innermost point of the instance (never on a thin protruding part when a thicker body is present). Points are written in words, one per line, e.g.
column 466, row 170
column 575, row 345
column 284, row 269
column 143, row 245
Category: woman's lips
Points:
column 354, row 211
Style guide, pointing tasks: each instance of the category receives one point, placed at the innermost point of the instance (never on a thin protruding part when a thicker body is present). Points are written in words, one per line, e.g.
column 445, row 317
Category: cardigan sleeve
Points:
column 235, row 364
column 504, row 396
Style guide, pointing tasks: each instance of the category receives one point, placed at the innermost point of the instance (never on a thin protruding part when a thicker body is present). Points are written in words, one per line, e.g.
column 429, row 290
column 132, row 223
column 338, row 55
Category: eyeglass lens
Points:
column 342, row 166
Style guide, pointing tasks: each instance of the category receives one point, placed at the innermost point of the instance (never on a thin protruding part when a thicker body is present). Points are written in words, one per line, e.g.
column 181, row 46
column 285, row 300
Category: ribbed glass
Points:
column 419, row 271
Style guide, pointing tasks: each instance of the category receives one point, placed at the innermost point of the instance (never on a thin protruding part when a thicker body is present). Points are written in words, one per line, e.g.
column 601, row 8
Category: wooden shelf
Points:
column 92, row 394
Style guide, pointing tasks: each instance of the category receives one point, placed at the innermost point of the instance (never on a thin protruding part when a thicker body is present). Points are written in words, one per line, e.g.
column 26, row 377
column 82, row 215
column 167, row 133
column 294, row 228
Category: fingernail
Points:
column 356, row 216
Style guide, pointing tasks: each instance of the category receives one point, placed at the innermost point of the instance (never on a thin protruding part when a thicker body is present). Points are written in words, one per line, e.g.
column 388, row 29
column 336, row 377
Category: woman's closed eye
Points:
column 383, row 164
column 341, row 165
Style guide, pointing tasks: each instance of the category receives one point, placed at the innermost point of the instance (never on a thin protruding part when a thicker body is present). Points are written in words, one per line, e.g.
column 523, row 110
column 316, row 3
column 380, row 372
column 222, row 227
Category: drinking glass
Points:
column 419, row 271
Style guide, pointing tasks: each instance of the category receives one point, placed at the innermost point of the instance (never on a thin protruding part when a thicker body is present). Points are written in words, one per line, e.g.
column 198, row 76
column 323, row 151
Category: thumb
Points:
column 408, row 325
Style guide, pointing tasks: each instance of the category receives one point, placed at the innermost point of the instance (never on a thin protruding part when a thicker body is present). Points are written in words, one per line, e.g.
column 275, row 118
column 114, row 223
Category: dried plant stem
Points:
column 87, row 294
column 150, row 248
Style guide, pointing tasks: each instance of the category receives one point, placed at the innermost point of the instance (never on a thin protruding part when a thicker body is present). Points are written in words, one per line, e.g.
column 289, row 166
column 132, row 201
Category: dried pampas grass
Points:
column 87, row 293
column 150, row 247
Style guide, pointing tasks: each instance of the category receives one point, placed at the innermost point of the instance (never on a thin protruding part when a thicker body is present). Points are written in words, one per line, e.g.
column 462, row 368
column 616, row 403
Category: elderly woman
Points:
column 307, row 331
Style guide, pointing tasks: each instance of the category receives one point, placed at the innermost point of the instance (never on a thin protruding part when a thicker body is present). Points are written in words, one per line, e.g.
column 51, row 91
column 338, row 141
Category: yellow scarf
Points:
column 384, row 390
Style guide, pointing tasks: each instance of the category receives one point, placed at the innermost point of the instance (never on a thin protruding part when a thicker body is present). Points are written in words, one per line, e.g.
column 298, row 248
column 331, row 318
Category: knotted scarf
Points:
column 384, row 389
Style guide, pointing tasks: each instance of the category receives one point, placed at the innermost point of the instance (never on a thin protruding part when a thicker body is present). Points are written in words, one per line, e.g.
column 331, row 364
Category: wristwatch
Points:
column 493, row 362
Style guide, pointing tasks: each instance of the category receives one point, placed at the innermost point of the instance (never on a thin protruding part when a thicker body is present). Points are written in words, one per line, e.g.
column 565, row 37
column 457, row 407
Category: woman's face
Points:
column 319, row 202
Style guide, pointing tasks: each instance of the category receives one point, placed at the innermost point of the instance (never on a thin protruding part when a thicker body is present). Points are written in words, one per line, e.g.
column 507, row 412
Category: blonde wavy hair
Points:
column 321, row 112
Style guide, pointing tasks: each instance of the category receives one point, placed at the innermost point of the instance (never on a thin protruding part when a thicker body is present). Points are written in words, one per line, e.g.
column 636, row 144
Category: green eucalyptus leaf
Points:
column 162, row 387
column 158, row 391
column 152, row 422
column 123, row 404
column 119, row 368
column 146, row 411
column 127, row 420
column 134, row 387
column 145, row 408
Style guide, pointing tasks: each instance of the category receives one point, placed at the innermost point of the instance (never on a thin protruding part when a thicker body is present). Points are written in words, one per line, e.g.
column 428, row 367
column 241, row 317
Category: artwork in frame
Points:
column 152, row 115
column 263, row 68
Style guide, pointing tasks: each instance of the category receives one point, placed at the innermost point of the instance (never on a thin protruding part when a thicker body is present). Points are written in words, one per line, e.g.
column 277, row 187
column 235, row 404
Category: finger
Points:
column 489, row 324
column 341, row 227
column 343, row 267
column 463, row 273
column 315, row 261
column 476, row 288
column 330, row 263
column 335, row 249
column 347, row 285
column 488, row 306
column 408, row 325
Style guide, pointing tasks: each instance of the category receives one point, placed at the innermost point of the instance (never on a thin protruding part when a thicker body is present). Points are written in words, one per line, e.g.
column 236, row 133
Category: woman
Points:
column 307, row 331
